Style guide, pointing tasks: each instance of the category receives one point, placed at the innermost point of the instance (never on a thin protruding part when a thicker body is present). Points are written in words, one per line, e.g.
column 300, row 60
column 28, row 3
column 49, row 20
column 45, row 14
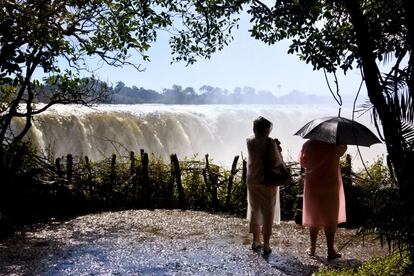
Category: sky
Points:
column 245, row 62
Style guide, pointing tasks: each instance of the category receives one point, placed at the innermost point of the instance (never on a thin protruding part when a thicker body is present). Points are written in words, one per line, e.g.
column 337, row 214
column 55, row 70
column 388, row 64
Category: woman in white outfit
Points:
column 263, row 200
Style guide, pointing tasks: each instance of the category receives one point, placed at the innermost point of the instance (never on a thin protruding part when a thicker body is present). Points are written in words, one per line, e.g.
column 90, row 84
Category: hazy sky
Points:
column 245, row 62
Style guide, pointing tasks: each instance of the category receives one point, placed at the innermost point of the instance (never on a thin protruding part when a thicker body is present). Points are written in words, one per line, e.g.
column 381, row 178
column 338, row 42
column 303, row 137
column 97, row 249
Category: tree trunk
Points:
column 401, row 158
column 409, row 10
column 389, row 120
column 6, row 120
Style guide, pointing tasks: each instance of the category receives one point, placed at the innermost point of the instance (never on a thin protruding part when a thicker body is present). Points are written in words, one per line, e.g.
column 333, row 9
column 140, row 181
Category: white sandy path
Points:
column 166, row 242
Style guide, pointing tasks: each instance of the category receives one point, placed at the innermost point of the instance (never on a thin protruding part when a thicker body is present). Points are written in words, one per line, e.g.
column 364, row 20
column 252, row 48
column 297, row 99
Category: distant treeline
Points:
column 122, row 94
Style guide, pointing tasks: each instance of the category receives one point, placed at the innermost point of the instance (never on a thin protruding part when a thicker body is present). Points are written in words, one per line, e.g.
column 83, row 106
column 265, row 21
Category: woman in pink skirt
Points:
column 323, row 195
column 263, row 200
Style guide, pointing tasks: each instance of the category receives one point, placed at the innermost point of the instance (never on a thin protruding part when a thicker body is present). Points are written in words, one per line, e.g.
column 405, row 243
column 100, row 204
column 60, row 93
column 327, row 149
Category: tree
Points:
column 35, row 34
column 173, row 95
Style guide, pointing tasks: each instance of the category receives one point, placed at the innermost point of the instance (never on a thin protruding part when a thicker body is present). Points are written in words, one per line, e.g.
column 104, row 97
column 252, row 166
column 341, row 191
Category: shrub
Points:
column 390, row 265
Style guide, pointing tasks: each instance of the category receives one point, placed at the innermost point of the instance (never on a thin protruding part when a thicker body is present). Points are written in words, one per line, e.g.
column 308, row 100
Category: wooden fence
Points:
column 135, row 182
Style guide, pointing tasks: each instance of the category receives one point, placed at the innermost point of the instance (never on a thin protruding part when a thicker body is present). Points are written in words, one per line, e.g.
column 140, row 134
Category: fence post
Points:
column 135, row 185
column 169, row 201
column 205, row 178
column 177, row 170
column 145, row 179
column 202, row 193
column 113, row 171
column 88, row 168
column 299, row 199
column 244, row 180
column 230, row 184
column 69, row 167
column 212, row 186
column 244, row 173
column 132, row 163
column 59, row 168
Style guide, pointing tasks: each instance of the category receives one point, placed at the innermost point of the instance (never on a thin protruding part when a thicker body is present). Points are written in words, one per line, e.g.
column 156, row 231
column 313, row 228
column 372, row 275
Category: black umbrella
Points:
column 338, row 130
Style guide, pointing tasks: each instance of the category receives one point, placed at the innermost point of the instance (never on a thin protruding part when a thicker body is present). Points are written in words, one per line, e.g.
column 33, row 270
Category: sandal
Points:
column 267, row 250
column 334, row 255
column 310, row 252
column 256, row 246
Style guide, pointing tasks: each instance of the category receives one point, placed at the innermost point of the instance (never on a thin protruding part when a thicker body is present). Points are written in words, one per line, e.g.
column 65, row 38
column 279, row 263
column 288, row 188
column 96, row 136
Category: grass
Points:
column 392, row 265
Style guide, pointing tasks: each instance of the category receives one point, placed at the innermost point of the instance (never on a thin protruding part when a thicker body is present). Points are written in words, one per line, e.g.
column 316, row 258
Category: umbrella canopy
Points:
column 338, row 130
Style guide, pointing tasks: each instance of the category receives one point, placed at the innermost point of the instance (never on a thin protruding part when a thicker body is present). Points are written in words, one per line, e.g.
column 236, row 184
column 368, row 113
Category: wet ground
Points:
column 168, row 242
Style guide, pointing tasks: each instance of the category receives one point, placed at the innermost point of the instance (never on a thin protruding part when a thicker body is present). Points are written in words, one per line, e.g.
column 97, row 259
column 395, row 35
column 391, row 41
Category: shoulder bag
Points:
column 273, row 176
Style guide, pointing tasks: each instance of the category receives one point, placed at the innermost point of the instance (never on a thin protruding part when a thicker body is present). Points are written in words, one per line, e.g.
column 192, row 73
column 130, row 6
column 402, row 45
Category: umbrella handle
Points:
column 339, row 112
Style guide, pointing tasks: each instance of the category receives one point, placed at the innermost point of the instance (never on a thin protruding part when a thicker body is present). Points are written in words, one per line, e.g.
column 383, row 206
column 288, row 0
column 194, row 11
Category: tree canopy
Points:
column 36, row 34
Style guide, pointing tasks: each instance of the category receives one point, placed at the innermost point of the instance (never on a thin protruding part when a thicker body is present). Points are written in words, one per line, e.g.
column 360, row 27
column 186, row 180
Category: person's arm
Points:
column 278, row 144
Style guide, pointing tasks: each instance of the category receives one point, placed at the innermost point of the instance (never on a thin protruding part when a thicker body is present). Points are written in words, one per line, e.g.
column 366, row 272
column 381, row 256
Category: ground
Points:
column 169, row 242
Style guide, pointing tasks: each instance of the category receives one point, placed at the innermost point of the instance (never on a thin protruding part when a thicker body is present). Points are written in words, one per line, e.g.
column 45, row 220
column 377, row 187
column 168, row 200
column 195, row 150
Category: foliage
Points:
column 289, row 194
column 74, row 184
column 322, row 32
column 373, row 205
column 20, row 191
column 376, row 176
column 122, row 94
column 75, row 31
column 390, row 265
column 45, row 31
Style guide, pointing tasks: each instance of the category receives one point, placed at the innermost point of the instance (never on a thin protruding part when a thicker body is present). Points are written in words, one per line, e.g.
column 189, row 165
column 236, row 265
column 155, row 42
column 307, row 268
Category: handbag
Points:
column 274, row 176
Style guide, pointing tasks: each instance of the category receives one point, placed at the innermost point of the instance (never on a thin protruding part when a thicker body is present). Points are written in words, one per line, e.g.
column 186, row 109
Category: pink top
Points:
column 323, row 195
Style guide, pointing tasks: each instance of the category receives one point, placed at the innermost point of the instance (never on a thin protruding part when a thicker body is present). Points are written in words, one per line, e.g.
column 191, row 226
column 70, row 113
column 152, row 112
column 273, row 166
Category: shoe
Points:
column 310, row 252
column 267, row 250
column 256, row 246
column 334, row 255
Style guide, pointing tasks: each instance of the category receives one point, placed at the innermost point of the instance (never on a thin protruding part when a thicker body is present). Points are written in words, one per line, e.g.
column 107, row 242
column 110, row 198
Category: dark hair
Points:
column 261, row 125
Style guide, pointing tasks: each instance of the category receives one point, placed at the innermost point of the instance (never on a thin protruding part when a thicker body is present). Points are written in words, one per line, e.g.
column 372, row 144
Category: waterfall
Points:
column 187, row 130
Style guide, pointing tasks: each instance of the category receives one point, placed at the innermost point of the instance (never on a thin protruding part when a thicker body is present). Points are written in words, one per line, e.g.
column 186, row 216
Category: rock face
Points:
column 167, row 242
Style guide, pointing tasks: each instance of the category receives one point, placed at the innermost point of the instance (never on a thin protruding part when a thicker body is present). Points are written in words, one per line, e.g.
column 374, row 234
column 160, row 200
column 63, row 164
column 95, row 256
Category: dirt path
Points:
column 167, row 242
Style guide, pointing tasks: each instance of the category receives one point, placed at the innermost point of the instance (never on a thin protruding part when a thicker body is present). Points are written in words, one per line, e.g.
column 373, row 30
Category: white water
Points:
column 219, row 130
